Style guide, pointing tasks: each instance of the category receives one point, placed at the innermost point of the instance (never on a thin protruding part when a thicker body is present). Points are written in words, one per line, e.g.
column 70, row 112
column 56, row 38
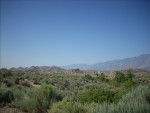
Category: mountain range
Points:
column 53, row 69
column 139, row 62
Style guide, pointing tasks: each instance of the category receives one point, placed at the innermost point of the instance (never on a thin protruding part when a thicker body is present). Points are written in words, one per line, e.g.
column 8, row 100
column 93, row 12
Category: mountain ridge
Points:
column 138, row 62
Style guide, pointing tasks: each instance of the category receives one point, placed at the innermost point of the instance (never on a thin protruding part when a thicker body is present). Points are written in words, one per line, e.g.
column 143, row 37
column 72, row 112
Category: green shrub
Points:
column 97, row 95
column 102, row 78
column 18, row 93
column 8, row 82
column 139, row 94
column 135, row 101
column 67, row 106
column 36, row 81
column 125, row 81
column 5, row 73
column 36, row 100
column 6, row 96
column 89, row 77
column 130, row 75
column 17, row 79
column 120, row 76
column 128, row 84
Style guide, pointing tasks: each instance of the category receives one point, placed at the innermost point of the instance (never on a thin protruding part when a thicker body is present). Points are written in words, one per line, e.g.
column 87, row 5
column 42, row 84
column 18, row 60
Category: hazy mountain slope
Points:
column 139, row 62
column 75, row 66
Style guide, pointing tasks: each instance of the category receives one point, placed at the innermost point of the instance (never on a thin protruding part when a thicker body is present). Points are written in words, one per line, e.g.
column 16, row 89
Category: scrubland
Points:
column 35, row 92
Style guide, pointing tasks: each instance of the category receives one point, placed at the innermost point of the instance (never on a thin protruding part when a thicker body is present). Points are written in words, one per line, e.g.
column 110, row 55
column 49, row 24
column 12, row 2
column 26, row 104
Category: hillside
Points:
column 139, row 62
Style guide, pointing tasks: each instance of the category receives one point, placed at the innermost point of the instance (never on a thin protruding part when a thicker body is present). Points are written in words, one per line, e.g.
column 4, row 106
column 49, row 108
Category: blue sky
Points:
column 55, row 32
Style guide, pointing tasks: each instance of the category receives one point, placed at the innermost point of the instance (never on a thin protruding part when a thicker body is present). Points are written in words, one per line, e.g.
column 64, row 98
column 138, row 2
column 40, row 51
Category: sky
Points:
column 62, row 32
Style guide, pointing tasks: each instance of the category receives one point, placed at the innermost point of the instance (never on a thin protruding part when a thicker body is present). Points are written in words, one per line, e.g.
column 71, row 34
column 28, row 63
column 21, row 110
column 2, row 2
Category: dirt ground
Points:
column 9, row 109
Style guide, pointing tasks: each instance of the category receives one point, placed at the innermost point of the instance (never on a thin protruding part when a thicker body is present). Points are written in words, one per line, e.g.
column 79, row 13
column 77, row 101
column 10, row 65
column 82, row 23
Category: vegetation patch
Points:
column 36, row 100
column 98, row 95
column 135, row 101
column 34, row 92
column 67, row 106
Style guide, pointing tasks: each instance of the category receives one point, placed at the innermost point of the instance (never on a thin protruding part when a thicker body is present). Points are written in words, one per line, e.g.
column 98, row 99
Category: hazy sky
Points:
column 52, row 32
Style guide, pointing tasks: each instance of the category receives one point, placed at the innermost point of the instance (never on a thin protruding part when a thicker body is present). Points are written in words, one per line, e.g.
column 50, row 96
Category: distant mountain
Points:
column 75, row 66
column 54, row 69
column 139, row 62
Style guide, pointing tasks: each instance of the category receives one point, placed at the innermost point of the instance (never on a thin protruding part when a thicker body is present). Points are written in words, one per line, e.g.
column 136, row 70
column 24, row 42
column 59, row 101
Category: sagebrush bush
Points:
column 8, row 82
column 135, row 101
column 89, row 77
column 6, row 96
column 36, row 100
column 139, row 94
column 67, row 106
column 102, row 78
column 128, row 84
